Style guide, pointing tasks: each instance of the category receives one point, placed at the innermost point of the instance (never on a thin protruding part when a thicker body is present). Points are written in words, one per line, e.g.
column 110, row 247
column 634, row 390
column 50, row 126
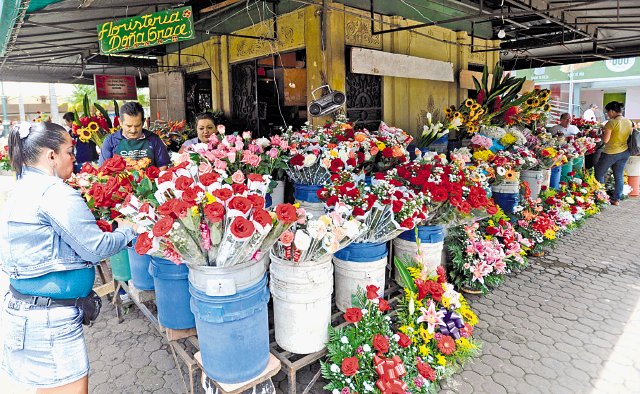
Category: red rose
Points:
column 286, row 213
column 404, row 340
column 442, row 274
column 297, row 160
column 358, row 212
column 152, row 172
column 491, row 208
column 337, row 165
column 407, row 224
column 87, row 168
column 162, row 226
column 104, row 226
column 492, row 230
column 166, row 208
column 113, row 165
column 255, row 178
column 183, row 182
column 209, row 178
column 143, row 244
column 426, row 371
column 181, row 208
column 387, row 152
column 439, row 194
column 383, row 305
column 190, row 195
column 262, row 217
column 436, row 290
column 242, row 228
column 241, row 204
column 396, row 206
column 353, row 315
column 372, row 292
column 349, row 366
column 380, row 343
column 257, row 201
column 239, row 188
column 222, row 194
column 331, row 201
column 167, row 176
column 214, row 212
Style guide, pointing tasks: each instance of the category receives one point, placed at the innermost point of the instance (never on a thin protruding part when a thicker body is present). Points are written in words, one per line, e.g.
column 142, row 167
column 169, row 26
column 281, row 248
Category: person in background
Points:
column 616, row 151
column 565, row 127
column 50, row 244
column 205, row 126
column 85, row 152
column 134, row 142
column 590, row 114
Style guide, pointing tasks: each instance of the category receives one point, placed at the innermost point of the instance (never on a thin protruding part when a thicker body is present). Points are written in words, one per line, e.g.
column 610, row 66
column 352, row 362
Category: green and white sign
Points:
column 604, row 69
column 143, row 31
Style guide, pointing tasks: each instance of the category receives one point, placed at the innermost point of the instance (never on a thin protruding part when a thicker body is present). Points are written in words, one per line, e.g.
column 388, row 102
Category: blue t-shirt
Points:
column 159, row 154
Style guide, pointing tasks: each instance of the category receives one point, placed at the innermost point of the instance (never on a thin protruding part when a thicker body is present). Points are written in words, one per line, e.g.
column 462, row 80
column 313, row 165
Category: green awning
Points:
column 9, row 10
column 35, row 5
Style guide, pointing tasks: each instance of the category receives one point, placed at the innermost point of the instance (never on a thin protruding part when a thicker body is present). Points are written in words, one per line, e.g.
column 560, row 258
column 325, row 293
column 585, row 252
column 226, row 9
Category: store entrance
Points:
column 269, row 93
column 198, row 94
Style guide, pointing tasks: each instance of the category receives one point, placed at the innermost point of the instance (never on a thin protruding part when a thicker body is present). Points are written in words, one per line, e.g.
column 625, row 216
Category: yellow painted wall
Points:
column 403, row 98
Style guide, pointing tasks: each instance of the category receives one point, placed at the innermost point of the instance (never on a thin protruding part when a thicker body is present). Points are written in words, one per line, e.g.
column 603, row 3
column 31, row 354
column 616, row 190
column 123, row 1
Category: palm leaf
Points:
column 405, row 275
column 85, row 105
column 116, row 108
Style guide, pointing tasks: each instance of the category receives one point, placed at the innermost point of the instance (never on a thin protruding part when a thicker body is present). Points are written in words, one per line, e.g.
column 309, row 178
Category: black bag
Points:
column 90, row 307
column 633, row 143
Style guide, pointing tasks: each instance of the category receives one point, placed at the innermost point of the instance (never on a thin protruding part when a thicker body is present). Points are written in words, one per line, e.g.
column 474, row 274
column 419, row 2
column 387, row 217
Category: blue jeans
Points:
column 616, row 162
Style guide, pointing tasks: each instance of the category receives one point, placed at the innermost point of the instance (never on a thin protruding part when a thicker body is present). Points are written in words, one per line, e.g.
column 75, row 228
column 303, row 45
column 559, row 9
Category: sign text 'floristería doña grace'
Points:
column 142, row 31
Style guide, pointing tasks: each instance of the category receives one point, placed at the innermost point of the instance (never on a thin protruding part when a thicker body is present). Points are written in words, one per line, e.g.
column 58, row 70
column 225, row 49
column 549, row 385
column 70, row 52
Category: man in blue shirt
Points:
column 133, row 141
column 84, row 151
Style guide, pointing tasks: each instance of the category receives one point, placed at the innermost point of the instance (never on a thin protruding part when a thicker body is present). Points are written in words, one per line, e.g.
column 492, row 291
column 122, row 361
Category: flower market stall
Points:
column 366, row 209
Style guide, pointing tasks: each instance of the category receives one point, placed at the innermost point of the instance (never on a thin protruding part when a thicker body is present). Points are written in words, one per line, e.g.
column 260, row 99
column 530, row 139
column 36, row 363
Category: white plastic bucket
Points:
column 314, row 208
column 350, row 275
column 277, row 195
column 431, row 254
column 301, row 303
column 633, row 166
column 534, row 179
column 511, row 187
column 225, row 281
column 546, row 177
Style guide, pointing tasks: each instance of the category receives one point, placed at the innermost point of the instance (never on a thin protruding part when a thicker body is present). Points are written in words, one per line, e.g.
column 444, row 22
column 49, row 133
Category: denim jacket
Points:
column 48, row 227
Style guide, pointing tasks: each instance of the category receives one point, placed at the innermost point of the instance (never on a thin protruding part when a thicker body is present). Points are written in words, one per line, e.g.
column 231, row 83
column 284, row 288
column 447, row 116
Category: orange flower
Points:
column 397, row 151
column 360, row 137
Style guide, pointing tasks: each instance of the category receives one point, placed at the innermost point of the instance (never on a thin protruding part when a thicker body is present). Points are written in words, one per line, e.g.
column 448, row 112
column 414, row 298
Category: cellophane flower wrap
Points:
column 368, row 356
column 438, row 323
column 386, row 208
column 201, row 215
column 5, row 164
column 454, row 193
column 313, row 239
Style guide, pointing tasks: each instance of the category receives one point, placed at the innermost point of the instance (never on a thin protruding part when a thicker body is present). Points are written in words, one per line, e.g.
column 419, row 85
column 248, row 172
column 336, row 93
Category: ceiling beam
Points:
column 131, row 4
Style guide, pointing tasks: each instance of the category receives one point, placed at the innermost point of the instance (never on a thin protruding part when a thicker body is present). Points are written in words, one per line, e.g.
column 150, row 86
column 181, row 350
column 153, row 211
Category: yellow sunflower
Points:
column 546, row 107
column 475, row 107
column 468, row 103
column 447, row 111
column 93, row 127
column 510, row 175
column 536, row 102
column 84, row 135
column 529, row 102
column 457, row 115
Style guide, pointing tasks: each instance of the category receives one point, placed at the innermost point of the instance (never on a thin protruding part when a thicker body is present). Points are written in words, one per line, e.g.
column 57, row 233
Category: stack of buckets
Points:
column 554, row 182
column 507, row 195
column 405, row 247
column 546, row 177
column 230, row 309
column 359, row 265
column 633, row 175
column 301, row 303
column 534, row 179
column 307, row 197
column 140, row 276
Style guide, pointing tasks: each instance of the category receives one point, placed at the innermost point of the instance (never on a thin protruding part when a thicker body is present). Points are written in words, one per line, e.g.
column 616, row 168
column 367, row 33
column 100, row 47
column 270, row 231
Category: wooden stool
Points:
column 261, row 384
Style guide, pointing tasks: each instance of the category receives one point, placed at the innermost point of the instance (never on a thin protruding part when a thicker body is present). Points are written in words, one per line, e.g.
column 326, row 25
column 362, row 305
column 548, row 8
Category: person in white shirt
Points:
column 590, row 114
column 565, row 127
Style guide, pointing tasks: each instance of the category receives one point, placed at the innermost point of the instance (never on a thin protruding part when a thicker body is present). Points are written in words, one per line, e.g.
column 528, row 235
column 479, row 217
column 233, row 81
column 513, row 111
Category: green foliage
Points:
column 104, row 113
column 405, row 275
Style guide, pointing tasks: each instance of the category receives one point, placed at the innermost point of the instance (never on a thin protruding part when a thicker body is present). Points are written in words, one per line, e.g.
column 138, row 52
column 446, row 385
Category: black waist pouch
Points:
column 90, row 306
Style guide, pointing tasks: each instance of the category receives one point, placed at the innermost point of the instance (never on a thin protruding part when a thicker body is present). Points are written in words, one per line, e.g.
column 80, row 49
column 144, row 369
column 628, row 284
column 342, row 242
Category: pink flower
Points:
column 204, row 168
column 431, row 317
column 220, row 165
column 255, row 148
column 254, row 160
column 232, row 157
column 273, row 153
column 237, row 177
column 246, row 135
column 221, row 129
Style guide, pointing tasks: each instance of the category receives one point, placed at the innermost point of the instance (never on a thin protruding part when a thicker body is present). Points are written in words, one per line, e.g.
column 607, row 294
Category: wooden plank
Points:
column 218, row 6
column 273, row 367
column 105, row 289
column 368, row 61
column 174, row 335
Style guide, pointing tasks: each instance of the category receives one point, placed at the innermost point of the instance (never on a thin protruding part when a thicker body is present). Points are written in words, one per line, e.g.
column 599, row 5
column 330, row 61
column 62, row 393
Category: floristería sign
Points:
column 146, row 30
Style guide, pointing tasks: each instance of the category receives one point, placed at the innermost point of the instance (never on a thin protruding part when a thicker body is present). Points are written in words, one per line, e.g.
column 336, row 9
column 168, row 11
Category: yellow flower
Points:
column 113, row 130
column 425, row 334
column 441, row 360
column 463, row 344
column 194, row 211
column 446, row 302
column 468, row 315
column 93, row 127
column 424, row 350
column 475, row 107
column 468, row 103
column 210, row 197
column 508, row 139
column 84, row 135
column 381, row 145
column 550, row 234
column 333, row 153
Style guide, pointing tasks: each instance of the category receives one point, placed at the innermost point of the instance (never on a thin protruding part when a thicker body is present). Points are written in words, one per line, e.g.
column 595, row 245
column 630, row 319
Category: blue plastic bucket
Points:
column 507, row 201
column 308, row 193
column 566, row 169
column 554, row 183
column 363, row 252
column 172, row 294
column 427, row 234
column 233, row 332
column 578, row 163
column 140, row 270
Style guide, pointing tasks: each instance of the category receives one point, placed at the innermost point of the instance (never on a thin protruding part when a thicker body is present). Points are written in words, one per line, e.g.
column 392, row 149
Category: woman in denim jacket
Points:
column 49, row 246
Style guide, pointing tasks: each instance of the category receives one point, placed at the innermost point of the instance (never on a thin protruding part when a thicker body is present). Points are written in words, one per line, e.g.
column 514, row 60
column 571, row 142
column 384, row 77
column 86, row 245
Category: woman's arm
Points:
column 606, row 135
column 66, row 211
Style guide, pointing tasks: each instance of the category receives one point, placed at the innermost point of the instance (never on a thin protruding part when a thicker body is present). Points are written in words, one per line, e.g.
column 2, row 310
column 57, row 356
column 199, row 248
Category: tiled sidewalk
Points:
column 568, row 324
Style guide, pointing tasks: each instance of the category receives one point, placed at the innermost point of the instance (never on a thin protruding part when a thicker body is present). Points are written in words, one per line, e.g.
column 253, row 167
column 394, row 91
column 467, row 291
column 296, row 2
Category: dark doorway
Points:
column 198, row 94
column 364, row 98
